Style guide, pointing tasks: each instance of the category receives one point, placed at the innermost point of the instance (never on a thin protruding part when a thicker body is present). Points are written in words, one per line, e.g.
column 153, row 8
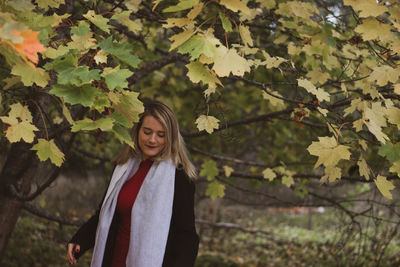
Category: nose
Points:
column 152, row 138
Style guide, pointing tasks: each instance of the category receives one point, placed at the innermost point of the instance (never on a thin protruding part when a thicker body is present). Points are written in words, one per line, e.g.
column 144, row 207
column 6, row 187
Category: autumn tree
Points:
column 262, row 88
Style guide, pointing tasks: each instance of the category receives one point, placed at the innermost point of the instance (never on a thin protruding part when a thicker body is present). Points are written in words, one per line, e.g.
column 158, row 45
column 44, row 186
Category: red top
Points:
column 126, row 198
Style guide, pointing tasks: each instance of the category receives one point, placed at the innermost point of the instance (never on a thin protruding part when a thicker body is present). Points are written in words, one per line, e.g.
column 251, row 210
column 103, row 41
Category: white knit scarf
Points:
column 151, row 214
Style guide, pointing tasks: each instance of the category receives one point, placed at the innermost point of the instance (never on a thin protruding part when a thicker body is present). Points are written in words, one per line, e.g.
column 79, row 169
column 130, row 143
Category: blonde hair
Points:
column 174, row 148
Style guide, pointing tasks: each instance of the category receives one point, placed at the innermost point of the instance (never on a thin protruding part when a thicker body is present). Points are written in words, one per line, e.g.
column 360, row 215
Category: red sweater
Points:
column 126, row 198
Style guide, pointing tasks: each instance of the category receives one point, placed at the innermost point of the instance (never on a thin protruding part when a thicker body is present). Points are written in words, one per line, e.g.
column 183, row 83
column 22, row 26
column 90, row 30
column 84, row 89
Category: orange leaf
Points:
column 31, row 45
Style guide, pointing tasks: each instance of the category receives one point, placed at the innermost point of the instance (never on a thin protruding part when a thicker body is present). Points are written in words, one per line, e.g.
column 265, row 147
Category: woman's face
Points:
column 151, row 137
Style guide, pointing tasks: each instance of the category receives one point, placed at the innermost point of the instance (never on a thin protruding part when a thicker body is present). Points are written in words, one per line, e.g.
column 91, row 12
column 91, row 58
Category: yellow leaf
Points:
column 180, row 38
column 276, row 102
column 397, row 88
column 287, row 178
column 245, row 35
column 393, row 115
column 384, row 74
column 228, row 170
column 235, row 6
column 317, row 76
column 195, row 11
column 208, row 123
column 329, row 153
column 100, row 57
column 272, row 62
column 67, row 114
column 363, row 144
column 395, row 167
column 332, row 174
column 367, row 7
column 269, row 174
column 363, row 168
column 358, row 125
column 318, row 92
column 227, row 61
column 371, row 29
column 176, row 22
column 384, row 186
column 49, row 150
column 210, row 90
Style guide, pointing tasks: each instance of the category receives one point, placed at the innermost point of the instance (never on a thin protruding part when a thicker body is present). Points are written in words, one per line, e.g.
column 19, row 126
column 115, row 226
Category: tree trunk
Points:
column 17, row 171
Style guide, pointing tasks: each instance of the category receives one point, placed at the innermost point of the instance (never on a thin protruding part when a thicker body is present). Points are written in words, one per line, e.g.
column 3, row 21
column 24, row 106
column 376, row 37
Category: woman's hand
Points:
column 71, row 248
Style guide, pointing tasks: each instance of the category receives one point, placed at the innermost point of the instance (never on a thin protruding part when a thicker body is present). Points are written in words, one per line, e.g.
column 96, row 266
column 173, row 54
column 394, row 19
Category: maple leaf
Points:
column 363, row 168
column 390, row 151
column 198, row 72
column 208, row 123
column 332, row 174
column 384, row 186
column 123, row 18
column 228, row 170
column 317, row 76
column 226, row 23
column 30, row 46
column 180, row 38
column 30, row 75
column 245, row 35
column 98, row 20
column 215, row 190
column 20, row 124
column 116, row 77
column 272, row 62
column 123, row 135
column 227, row 61
column 371, row 29
column 318, row 92
column 395, row 168
column 235, row 6
column 104, row 124
column 200, row 44
column 49, row 150
column 129, row 106
column 121, row 51
column 176, row 22
column 195, row 11
column 209, row 169
column 329, row 153
column 269, row 174
column 384, row 74
column 276, row 102
column 393, row 115
column 49, row 3
column 367, row 7
column 67, row 114
column 182, row 5
column 288, row 180
column 83, row 95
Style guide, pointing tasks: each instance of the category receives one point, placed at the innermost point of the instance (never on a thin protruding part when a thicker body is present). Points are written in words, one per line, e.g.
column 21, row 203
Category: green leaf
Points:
column 120, row 119
column 123, row 135
column 129, row 106
column 98, row 20
column 390, row 151
column 182, row 5
column 84, row 95
column 200, row 44
column 209, row 169
column 116, row 77
column 121, row 51
column 49, row 3
column 30, row 75
column 226, row 23
column 104, row 124
column 49, row 150
column 215, row 190
column 78, row 76
column 198, row 72
column 82, row 29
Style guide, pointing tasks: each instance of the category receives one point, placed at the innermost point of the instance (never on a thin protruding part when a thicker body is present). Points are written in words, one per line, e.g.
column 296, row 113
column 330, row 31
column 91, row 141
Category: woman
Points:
column 147, row 215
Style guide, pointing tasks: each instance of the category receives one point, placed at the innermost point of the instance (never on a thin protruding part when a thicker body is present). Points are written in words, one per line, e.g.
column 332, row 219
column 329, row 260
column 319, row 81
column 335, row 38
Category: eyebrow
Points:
column 146, row 128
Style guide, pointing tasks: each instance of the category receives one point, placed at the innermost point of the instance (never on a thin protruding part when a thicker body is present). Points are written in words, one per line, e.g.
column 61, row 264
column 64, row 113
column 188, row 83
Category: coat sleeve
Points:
column 86, row 235
column 183, row 241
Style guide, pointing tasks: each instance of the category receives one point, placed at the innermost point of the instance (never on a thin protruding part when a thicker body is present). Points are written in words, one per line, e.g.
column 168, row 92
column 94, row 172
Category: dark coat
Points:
column 183, row 241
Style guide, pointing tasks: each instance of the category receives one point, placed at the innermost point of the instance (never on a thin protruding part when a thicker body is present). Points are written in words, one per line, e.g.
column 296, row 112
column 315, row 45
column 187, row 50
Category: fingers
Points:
column 73, row 248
